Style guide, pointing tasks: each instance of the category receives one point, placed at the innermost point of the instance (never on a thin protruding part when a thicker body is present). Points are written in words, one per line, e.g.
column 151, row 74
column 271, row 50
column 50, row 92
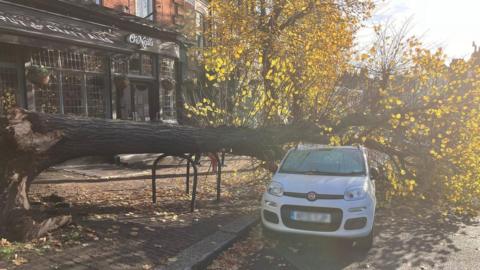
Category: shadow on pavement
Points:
column 404, row 238
column 307, row 252
column 415, row 238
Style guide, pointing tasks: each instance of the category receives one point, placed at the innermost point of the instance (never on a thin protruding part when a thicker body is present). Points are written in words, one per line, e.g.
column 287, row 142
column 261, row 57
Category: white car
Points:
column 325, row 191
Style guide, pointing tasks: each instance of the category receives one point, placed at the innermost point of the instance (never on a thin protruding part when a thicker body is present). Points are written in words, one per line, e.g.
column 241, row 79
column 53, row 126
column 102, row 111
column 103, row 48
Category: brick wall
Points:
column 122, row 5
column 168, row 12
column 165, row 11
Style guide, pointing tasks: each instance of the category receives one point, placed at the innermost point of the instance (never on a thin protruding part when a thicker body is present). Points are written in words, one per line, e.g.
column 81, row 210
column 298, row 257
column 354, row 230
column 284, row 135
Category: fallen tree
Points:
column 31, row 142
column 420, row 114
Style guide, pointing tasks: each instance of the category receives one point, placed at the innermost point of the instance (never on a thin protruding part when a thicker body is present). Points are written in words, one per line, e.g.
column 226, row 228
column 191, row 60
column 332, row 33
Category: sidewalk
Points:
column 117, row 227
column 171, row 168
column 136, row 244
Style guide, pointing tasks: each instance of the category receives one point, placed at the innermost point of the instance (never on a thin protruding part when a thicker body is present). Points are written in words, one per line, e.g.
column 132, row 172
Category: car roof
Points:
column 322, row 146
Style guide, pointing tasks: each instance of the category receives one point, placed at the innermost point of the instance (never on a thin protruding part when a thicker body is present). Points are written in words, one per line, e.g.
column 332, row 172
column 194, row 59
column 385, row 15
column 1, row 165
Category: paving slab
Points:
column 200, row 254
column 239, row 225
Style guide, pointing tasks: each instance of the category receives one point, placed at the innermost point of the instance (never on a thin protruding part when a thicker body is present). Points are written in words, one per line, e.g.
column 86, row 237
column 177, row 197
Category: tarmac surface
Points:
column 403, row 240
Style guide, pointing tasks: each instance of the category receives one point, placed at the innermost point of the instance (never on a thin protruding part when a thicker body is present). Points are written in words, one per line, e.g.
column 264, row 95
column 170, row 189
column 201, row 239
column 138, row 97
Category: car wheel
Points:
column 364, row 243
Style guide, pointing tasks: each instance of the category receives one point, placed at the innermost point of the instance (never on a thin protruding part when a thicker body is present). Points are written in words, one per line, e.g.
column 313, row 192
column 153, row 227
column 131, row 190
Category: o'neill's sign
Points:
column 140, row 40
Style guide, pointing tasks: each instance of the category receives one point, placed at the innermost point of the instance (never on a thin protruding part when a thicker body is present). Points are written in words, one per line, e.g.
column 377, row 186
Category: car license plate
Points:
column 311, row 217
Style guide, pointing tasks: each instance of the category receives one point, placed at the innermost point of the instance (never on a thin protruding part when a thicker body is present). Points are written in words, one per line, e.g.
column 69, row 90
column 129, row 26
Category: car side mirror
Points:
column 271, row 166
column 374, row 173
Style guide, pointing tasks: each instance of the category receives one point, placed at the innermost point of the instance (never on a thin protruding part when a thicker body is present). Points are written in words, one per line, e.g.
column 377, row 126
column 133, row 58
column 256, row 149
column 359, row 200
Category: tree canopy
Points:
column 277, row 62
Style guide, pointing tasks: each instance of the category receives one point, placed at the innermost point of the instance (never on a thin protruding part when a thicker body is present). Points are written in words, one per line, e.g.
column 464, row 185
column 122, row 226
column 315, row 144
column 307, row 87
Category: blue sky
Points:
column 450, row 24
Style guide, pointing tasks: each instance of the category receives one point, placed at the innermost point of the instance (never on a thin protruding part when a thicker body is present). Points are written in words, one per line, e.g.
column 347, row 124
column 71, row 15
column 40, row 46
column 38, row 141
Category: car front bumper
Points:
column 341, row 209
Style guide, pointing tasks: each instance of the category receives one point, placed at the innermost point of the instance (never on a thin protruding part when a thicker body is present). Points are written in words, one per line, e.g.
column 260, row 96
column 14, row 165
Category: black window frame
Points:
column 59, row 63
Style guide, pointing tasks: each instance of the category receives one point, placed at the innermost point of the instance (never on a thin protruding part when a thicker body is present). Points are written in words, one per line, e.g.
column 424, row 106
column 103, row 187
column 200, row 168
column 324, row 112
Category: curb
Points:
column 198, row 255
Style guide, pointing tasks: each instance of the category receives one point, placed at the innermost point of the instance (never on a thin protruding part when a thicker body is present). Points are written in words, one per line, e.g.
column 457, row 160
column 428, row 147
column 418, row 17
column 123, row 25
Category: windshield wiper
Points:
column 324, row 173
column 312, row 172
column 317, row 173
column 303, row 172
column 333, row 173
column 352, row 173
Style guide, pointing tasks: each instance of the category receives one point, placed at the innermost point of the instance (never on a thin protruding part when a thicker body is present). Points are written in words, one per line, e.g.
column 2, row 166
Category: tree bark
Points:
column 33, row 142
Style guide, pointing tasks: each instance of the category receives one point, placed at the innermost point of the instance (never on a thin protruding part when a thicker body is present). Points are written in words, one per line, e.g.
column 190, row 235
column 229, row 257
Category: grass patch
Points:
column 7, row 253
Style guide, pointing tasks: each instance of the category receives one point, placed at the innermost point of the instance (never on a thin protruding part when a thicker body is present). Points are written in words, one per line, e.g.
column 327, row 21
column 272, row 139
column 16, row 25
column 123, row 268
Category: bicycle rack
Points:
column 190, row 163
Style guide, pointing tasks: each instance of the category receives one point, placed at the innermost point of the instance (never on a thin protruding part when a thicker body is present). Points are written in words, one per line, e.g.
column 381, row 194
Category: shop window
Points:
column 8, row 78
column 46, row 58
column 167, row 88
column 120, row 64
column 72, row 94
column 134, row 65
column 147, row 65
column 94, row 63
column 77, row 83
column 72, row 60
column 137, row 64
column 141, row 64
column 95, row 97
column 8, row 87
column 169, row 107
column 167, row 68
column 47, row 98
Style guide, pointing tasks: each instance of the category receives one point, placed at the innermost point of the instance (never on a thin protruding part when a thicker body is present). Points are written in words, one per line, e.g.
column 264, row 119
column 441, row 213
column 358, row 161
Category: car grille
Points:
column 336, row 213
column 319, row 196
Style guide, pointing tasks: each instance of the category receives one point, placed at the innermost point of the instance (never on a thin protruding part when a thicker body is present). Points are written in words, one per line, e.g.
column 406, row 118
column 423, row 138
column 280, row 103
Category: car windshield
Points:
column 325, row 161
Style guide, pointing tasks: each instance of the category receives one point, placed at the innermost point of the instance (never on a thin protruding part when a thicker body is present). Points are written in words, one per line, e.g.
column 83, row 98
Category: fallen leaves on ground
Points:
column 233, row 258
column 115, row 209
column 17, row 260
column 9, row 251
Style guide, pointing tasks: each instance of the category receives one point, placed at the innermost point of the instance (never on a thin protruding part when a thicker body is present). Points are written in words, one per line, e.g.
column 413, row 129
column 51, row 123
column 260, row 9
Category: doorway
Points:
column 134, row 103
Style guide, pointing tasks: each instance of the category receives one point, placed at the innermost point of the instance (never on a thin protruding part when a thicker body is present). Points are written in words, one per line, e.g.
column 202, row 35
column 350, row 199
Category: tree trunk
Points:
column 21, row 146
column 33, row 142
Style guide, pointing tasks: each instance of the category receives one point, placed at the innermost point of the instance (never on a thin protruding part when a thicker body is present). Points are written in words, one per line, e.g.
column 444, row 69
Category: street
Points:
column 160, row 134
column 403, row 240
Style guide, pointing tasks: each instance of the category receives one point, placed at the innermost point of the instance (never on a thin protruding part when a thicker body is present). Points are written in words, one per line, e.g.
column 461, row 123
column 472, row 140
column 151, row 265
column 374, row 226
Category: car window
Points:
column 328, row 161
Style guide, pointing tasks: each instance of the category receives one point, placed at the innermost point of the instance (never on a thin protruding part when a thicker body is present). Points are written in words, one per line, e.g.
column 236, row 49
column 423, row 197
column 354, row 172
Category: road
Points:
column 404, row 239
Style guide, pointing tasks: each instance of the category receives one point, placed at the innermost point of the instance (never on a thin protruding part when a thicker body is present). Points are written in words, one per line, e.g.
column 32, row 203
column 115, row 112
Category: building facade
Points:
column 120, row 59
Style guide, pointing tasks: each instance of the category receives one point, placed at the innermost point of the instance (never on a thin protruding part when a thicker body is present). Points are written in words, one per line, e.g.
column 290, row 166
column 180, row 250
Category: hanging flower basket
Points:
column 38, row 75
column 167, row 85
column 7, row 100
column 121, row 82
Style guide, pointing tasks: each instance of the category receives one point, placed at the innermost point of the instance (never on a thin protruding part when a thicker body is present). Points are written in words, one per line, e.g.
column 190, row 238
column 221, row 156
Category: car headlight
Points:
column 275, row 189
column 355, row 194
